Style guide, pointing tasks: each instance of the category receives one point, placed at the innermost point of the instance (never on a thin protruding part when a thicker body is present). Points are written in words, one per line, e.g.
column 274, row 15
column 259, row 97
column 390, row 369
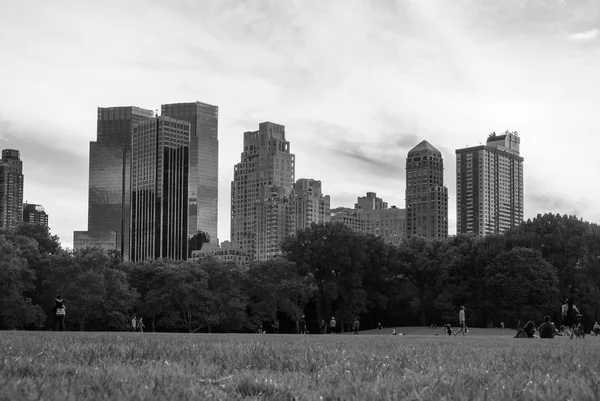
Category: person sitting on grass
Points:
column 527, row 331
column 547, row 329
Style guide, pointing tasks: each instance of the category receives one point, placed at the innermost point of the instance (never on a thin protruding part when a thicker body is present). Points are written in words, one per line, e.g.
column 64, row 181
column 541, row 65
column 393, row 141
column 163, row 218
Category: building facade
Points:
column 159, row 189
column 109, row 195
column 11, row 189
column 227, row 252
column 309, row 203
column 371, row 215
column 266, row 171
column 35, row 214
column 426, row 196
column 489, row 186
column 204, row 165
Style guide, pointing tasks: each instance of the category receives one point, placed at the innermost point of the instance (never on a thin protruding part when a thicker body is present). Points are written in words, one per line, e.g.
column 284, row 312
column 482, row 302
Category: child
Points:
column 449, row 329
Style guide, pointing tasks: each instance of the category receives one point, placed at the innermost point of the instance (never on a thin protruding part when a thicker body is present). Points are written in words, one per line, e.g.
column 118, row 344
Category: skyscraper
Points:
column 35, row 214
column 266, row 171
column 159, row 189
column 489, row 186
column 11, row 189
column 310, row 205
column 109, row 202
column 204, row 164
column 426, row 195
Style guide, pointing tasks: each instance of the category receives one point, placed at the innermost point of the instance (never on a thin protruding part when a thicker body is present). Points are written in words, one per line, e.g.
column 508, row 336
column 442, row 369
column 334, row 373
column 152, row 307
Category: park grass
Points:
column 487, row 364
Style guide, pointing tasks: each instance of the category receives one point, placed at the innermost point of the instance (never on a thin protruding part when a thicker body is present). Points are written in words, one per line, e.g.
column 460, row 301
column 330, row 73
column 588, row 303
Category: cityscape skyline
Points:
column 356, row 87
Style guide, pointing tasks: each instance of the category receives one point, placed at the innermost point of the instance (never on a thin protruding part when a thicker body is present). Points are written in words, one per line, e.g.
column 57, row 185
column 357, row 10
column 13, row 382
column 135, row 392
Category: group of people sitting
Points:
column 571, row 319
column 546, row 329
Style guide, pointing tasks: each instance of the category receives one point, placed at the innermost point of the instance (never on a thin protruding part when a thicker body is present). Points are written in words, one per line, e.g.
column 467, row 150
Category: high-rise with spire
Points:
column 426, row 195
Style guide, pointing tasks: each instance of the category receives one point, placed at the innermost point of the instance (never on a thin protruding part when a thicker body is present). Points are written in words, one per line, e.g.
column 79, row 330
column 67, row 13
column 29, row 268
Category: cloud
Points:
column 584, row 36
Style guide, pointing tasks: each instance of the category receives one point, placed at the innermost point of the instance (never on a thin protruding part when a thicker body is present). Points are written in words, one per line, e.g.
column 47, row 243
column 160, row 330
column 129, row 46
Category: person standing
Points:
column 569, row 314
column 356, row 325
column 134, row 323
column 276, row 326
column 323, row 326
column 462, row 321
column 60, row 311
column 332, row 324
column 302, row 325
column 379, row 327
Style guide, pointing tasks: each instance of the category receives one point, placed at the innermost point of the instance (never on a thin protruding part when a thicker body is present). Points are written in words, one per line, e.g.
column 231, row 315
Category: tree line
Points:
column 325, row 270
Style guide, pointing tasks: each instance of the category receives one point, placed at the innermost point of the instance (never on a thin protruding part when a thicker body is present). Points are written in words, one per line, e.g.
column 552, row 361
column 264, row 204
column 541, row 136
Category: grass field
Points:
column 487, row 364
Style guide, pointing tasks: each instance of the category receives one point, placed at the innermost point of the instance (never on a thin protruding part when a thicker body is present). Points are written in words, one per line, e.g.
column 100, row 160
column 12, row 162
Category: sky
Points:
column 356, row 83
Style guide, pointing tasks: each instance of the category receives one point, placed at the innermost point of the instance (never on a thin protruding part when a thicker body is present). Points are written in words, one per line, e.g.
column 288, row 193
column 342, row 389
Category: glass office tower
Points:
column 110, row 180
column 159, row 189
column 204, row 166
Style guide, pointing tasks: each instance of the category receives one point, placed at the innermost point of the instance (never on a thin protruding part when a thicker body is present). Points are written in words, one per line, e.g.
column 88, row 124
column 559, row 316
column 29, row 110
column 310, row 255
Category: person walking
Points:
column 134, row 323
column 276, row 326
column 355, row 325
column 462, row 322
column 332, row 324
column 323, row 326
column 60, row 311
column 379, row 327
column 140, row 325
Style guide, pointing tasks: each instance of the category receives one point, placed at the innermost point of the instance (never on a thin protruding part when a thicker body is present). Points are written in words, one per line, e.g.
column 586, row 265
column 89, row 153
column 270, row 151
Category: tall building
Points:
column 109, row 203
column 371, row 215
column 11, row 189
column 275, row 220
column 489, row 186
column 309, row 203
column 204, row 165
column 426, row 196
column 35, row 214
column 262, row 183
column 159, row 189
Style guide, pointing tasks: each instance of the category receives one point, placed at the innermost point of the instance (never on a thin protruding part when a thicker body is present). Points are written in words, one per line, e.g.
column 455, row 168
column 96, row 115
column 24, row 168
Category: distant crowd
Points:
column 571, row 318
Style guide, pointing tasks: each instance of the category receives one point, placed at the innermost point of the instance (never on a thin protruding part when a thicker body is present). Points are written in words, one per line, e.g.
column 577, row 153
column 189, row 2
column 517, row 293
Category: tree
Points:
column 520, row 285
column 226, row 302
column 336, row 259
column 16, row 278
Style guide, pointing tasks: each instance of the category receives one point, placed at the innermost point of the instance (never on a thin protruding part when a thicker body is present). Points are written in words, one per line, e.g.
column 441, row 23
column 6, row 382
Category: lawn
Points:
column 487, row 364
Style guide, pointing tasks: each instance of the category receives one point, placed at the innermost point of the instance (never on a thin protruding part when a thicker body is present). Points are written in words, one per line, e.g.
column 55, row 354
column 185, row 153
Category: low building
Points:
column 372, row 216
column 35, row 214
column 227, row 252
